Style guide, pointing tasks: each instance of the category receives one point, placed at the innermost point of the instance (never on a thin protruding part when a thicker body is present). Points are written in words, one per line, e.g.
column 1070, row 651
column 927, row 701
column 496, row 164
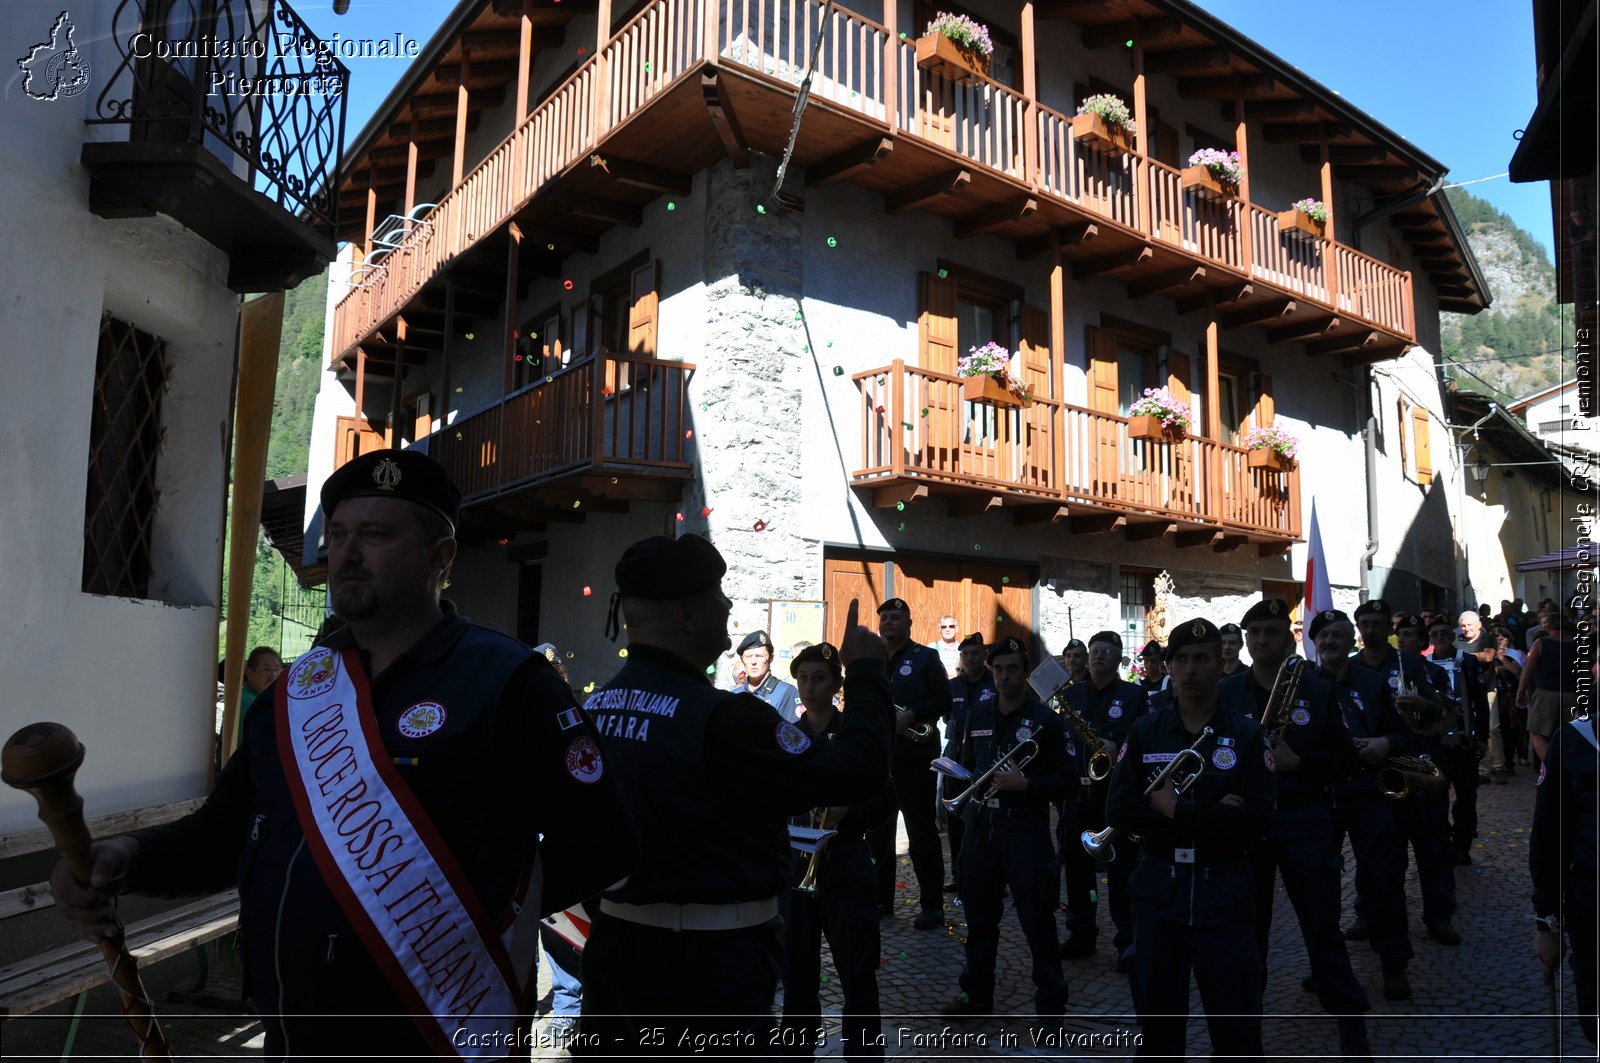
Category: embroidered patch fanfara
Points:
column 791, row 739
column 1024, row 733
column 1224, row 758
column 312, row 674
column 1300, row 716
column 583, row 760
column 421, row 719
column 1115, row 711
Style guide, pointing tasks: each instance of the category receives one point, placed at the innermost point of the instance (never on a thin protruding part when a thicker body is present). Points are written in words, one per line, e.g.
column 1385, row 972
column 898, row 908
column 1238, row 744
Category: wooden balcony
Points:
column 572, row 443
column 988, row 158
column 1050, row 461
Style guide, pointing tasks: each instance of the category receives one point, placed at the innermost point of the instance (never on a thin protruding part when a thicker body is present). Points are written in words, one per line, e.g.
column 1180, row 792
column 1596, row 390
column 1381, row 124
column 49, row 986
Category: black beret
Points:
column 664, row 568
column 1442, row 620
column 1006, row 646
column 406, row 474
column 1267, row 609
column 752, row 640
column 1151, row 649
column 821, row 653
column 1107, row 636
column 1074, row 644
column 973, row 639
column 895, row 603
column 1190, row 632
column 1375, row 605
column 1412, row 620
column 1324, row 618
column 1230, row 629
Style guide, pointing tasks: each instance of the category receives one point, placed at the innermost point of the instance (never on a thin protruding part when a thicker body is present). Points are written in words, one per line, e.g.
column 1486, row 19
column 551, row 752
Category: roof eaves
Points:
column 1447, row 214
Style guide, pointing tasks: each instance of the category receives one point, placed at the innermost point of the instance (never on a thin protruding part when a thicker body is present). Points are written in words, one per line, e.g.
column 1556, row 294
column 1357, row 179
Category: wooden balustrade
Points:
column 569, row 421
column 982, row 122
column 916, row 424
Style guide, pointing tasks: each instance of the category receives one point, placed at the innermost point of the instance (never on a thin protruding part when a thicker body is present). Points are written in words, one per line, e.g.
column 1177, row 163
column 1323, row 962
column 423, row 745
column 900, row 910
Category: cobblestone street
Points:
column 1481, row 1000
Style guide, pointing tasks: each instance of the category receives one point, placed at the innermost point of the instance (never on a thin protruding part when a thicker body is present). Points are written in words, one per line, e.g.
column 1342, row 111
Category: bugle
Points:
column 1098, row 844
column 1017, row 757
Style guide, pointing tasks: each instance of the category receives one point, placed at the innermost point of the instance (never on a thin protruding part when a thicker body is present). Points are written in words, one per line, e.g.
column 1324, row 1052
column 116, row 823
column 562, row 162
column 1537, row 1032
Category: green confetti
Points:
column 977, row 546
column 671, row 205
column 1005, row 579
column 902, row 525
column 944, row 273
column 760, row 209
column 838, row 370
column 833, row 241
column 712, row 670
column 900, row 505
column 924, row 411
column 1094, row 896
column 647, row 68
column 830, row 343
column 908, row 425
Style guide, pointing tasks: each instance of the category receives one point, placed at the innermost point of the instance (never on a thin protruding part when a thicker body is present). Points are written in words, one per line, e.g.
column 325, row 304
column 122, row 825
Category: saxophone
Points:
column 1100, row 764
column 1400, row 774
column 1275, row 717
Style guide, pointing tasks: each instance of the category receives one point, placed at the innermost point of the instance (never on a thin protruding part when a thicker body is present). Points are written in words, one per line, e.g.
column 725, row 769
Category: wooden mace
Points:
column 43, row 759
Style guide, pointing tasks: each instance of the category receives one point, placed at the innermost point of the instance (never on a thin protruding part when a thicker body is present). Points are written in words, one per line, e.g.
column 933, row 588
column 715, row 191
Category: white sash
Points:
column 394, row 878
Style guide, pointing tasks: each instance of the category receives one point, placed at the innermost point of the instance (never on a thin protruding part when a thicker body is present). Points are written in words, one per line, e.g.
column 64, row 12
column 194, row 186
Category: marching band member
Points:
column 1311, row 750
column 1193, row 898
column 1008, row 835
column 1466, row 697
column 1111, row 704
column 973, row 685
column 842, row 902
column 755, row 653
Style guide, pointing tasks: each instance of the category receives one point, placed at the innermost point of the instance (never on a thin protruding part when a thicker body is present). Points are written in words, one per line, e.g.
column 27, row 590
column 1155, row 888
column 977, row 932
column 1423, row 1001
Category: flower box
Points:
column 1149, row 428
column 940, row 54
column 1299, row 224
column 1092, row 129
column 986, row 388
column 1208, row 185
column 1267, row 458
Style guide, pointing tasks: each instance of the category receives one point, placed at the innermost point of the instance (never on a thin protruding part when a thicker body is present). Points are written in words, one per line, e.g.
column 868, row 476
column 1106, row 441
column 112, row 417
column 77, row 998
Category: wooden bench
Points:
column 63, row 973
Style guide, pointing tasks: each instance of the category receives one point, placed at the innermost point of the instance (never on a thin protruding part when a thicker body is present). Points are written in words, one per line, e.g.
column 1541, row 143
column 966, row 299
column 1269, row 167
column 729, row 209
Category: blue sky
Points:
column 1455, row 77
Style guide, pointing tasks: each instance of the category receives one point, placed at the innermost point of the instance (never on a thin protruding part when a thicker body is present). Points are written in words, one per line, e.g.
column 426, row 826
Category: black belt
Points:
column 1015, row 812
column 1174, row 855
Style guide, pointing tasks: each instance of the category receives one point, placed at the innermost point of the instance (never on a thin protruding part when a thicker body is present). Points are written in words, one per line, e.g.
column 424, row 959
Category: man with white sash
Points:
column 383, row 817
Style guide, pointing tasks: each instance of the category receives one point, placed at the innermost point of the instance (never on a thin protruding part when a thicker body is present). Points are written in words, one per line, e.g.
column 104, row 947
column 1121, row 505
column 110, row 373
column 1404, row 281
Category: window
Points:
column 1137, row 591
column 1230, row 388
column 124, row 441
column 416, row 419
column 621, row 317
column 980, row 319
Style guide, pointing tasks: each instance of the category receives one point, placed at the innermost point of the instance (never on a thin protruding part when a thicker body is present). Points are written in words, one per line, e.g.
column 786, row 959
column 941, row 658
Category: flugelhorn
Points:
column 1280, row 702
column 43, row 759
column 1018, row 756
column 1098, row 844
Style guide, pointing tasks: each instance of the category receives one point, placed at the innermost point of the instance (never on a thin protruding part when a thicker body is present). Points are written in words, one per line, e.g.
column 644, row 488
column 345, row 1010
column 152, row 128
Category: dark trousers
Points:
column 1005, row 847
column 1300, row 847
column 847, row 912
column 1579, row 915
column 914, row 791
column 1461, row 767
column 1421, row 820
column 1380, row 870
column 645, row 989
column 1082, row 873
column 1223, row 957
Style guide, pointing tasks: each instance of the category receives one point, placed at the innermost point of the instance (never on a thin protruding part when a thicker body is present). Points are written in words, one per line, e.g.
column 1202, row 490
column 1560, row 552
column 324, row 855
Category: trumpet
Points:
column 1098, row 844
column 1275, row 717
column 917, row 732
column 812, row 841
column 1015, row 758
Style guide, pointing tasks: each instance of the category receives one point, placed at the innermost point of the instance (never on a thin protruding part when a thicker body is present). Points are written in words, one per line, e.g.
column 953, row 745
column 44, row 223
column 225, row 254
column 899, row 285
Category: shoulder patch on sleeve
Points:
column 569, row 719
column 791, row 739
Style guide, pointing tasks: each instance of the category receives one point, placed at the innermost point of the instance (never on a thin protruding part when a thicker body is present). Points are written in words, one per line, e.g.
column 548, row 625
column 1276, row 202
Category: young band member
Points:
column 1193, row 897
column 1007, row 842
column 1359, row 809
column 973, row 685
column 1232, row 644
column 1111, row 704
column 382, row 819
column 842, row 901
column 1311, row 749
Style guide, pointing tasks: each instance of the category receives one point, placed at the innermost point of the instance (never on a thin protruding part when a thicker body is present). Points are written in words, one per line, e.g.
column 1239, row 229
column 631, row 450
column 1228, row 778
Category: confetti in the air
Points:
column 587, row 591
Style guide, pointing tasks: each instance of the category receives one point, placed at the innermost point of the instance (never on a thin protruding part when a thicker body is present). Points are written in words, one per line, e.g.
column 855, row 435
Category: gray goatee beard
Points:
column 355, row 601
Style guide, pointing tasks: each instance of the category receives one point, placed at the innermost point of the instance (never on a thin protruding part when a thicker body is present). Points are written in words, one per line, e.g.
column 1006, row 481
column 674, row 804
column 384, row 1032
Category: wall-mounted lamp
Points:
column 1480, row 469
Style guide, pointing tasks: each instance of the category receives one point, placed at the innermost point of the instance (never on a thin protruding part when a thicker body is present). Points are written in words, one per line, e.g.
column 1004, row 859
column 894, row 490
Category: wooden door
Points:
column 845, row 579
column 936, row 332
column 995, row 600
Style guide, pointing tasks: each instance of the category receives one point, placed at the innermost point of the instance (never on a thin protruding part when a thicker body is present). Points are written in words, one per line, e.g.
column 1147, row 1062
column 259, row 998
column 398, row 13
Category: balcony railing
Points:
column 247, row 79
column 917, row 425
column 571, row 422
column 983, row 124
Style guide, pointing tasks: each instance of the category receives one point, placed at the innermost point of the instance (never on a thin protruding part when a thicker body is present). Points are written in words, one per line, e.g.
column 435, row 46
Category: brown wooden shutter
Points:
column 551, row 337
column 936, row 323
column 1419, row 430
column 1037, row 363
column 642, row 315
column 1178, row 375
column 1102, row 371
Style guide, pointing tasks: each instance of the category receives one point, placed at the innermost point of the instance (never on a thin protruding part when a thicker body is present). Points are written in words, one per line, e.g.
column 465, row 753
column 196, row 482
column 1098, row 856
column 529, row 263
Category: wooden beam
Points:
column 1378, row 352
column 1026, row 515
column 443, row 104
column 1379, row 174
column 1067, row 236
column 906, row 491
column 1107, row 263
column 1205, row 537
column 914, row 196
column 1142, row 532
column 1182, row 60
column 463, row 97
column 1270, row 110
column 850, row 161
column 724, row 120
column 1166, row 282
column 1230, row 543
column 604, row 210
column 519, row 553
column 564, row 239
column 1303, row 330
column 1097, row 523
column 640, row 175
column 1347, row 154
column 1273, row 549
column 525, row 50
column 1118, row 34
column 486, row 74
column 1228, row 293
column 1223, row 86
column 637, row 488
column 972, row 505
column 993, row 217
column 1302, row 133
column 1267, row 311
column 1342, row 344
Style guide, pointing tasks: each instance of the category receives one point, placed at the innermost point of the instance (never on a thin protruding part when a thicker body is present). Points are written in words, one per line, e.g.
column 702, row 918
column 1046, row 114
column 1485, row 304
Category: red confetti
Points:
column 688, row 434
column 587, row 591
column 705, row 511
column 606, row 392
column 516, row 357
column 567, row 285
column 761, row 525
column 503, row 541
column 680, row 516
column 582, row 50
column 899, row 885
